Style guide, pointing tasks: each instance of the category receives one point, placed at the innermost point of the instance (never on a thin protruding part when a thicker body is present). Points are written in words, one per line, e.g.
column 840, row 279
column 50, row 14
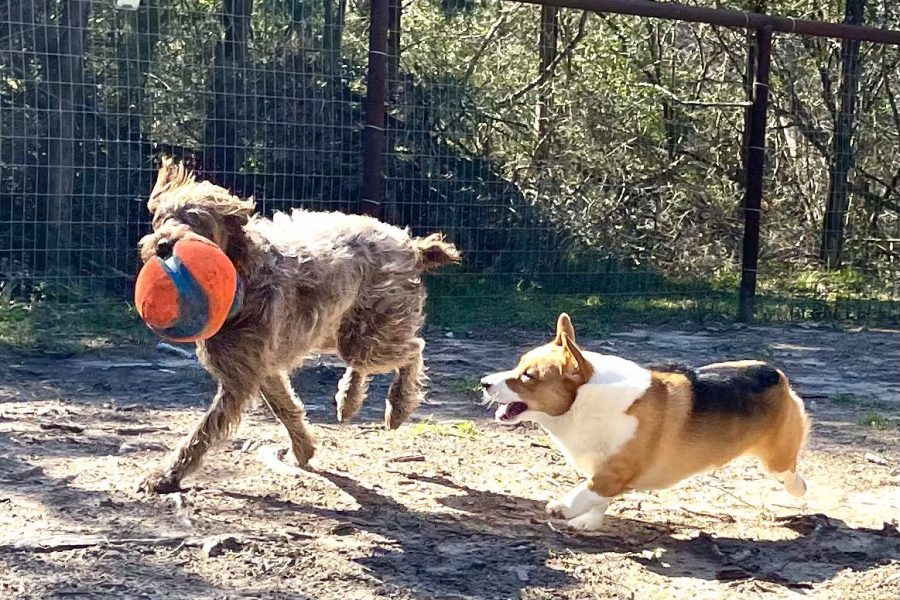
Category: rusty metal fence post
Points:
column 372, row 199
column 755, row 173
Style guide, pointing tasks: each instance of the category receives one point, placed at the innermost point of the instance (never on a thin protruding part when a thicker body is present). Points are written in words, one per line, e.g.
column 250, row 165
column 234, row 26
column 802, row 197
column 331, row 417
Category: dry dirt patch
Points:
column 450, row 506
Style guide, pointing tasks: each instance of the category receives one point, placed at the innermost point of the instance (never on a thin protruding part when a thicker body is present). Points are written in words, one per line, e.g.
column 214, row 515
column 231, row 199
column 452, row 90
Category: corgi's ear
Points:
column 577, row 366
column 565, row 328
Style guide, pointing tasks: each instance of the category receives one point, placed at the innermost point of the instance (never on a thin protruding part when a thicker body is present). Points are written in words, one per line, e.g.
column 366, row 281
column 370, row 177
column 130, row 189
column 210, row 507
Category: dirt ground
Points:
column 448, row 506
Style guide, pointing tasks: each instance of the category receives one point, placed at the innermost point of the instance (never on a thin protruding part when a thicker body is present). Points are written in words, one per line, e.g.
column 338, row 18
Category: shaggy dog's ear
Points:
column 170, row 176
column 237, row 214
column 238, row 210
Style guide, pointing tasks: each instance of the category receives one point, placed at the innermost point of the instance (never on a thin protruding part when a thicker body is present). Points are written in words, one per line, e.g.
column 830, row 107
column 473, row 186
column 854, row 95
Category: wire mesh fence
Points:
column 579, row 160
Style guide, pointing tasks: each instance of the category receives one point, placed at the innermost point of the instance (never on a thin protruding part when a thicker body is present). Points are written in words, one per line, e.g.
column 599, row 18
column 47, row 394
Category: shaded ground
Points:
column 450, row 506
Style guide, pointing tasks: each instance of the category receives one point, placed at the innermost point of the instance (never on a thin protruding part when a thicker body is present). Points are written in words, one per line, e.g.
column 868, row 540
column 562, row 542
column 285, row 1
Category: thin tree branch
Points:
column 486, row 42
column 544, row 75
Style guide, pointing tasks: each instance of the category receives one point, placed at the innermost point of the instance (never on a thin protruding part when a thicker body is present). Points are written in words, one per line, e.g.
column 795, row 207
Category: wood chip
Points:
column 732, row 574
column 876, row 459
column 69, row 427
column 210, row 545
column 407, row 458
column 138, row 430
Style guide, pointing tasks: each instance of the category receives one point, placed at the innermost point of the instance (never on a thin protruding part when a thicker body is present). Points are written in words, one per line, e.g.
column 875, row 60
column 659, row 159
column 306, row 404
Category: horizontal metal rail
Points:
column 729, row 18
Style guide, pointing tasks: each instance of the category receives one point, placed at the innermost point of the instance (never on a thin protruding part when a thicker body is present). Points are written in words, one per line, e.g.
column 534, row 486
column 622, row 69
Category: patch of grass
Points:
column 466, row 429
column 465, row 385
column 487, row 309
column 875, row 420
column 846, row 399
column 484, row 302
column 44, row 328
column 592, row 314
column 430, row 427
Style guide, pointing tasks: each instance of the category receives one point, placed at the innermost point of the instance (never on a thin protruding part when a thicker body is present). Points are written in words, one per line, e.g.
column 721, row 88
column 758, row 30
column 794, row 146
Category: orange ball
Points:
column 188, row 296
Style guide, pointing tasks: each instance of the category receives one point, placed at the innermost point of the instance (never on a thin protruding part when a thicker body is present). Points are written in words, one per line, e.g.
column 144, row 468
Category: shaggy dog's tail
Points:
column 434, row 252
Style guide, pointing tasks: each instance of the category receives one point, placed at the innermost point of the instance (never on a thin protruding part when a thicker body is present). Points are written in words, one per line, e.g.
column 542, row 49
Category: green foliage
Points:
column 486, row 307
column 429, row 427
column 846, row 399
column 875, row 420
column 465, row 385
column 39, row 326
column 631, row 211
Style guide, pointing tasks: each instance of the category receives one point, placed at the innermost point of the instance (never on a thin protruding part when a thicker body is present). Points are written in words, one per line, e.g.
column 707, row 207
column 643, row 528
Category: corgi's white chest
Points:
column 587, row 448
column 597, row 425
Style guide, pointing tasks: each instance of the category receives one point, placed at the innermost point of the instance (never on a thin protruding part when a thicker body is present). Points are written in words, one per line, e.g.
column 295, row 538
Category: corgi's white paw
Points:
column 589, row 521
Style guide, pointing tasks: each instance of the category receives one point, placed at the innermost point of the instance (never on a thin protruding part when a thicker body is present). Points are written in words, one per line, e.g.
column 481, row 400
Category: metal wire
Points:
column 596, row 159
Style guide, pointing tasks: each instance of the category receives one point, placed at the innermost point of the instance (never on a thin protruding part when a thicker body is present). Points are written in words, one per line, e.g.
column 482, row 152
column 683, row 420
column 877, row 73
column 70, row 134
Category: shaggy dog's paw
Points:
column 393, row 421
column 303, row 451
column 159, row 482
column 589, row 521
column 397, row 414
column 347, row 407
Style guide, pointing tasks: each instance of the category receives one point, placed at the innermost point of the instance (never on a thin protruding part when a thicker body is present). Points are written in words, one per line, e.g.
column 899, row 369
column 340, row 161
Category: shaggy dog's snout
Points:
column 164, row 248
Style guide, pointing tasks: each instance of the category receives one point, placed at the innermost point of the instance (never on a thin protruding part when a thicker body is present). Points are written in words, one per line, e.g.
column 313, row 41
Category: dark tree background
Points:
column 564, row 151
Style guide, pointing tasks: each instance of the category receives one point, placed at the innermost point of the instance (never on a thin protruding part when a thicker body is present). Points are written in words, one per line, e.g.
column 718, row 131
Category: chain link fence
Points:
column 579, row 160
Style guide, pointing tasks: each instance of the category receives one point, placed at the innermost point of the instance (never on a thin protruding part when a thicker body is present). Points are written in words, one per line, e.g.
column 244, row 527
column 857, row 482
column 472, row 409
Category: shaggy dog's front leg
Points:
column 351, row 393
column 215, row 426
column 288, row 409
column 405, row 393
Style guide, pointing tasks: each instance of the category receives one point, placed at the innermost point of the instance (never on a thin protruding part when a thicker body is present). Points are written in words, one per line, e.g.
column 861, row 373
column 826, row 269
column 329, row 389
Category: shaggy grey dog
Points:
column 313, row 281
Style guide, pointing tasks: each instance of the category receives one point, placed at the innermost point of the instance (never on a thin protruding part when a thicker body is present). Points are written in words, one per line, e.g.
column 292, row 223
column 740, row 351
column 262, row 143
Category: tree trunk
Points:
column 329, row 60
column 547, row 42
column 135, row 59
column 655, row 75
column 64, row 70
column 227, row 108
column 339, row 31
column 332, row 35
column 134, row 64
column 395, row 15
column 843, row 158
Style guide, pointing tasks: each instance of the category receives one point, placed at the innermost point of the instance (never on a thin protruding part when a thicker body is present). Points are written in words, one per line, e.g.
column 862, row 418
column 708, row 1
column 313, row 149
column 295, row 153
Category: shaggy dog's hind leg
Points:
column 351, row 393
column 216, row 425
column 405, row 393
column 288, row 409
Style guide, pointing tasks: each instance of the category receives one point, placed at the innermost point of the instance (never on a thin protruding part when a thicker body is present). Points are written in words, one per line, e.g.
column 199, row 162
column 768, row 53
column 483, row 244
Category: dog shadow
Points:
column 495, row 545
column 823, row 547
column 446, row 553
column 494, row 551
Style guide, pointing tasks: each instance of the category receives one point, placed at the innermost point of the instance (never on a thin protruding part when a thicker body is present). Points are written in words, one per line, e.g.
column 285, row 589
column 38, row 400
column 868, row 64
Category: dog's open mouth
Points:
column 508, row 412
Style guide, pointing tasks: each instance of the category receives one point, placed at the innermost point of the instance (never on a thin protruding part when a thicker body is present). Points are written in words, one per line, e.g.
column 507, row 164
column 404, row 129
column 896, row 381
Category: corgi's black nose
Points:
column 486, row 383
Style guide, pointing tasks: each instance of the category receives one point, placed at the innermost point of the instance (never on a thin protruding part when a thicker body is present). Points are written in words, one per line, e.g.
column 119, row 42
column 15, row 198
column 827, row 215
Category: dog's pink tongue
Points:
column 505, row 412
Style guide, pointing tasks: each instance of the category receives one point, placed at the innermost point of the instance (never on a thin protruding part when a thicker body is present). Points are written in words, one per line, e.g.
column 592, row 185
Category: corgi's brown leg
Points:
column 792, row 482
column 779, row 450
column 781, row 462
column 609, row 482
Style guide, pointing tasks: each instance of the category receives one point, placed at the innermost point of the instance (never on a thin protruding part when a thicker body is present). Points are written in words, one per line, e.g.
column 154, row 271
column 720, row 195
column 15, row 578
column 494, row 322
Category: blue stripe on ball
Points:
column 193, row 308
column 238, row 299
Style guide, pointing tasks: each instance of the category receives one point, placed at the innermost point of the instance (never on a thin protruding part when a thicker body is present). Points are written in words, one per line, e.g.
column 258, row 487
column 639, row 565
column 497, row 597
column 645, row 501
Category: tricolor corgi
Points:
column 627, row 427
